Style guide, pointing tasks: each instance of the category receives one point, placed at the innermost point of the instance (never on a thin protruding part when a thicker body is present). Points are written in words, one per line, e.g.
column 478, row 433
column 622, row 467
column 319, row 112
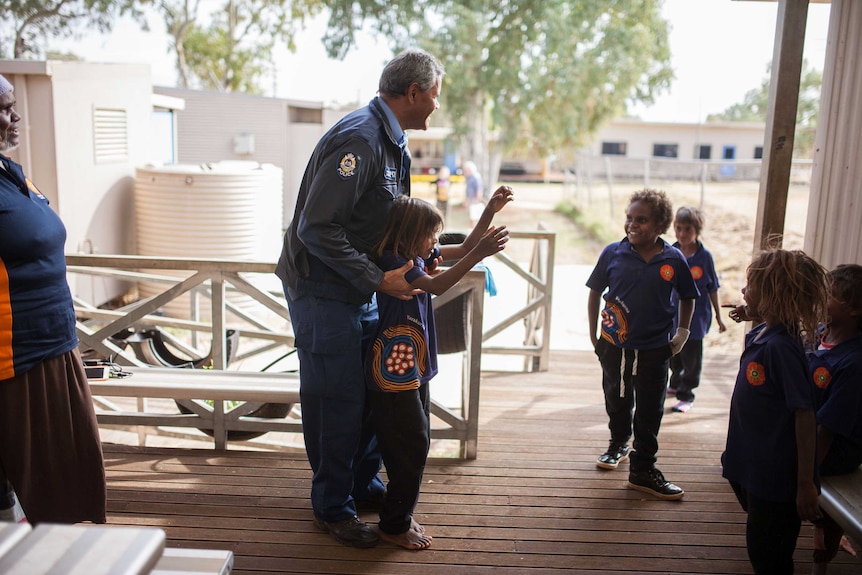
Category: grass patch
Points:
column 595, row 226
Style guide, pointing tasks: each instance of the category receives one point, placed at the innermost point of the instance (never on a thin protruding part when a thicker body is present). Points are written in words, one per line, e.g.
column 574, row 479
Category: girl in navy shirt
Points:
column 769, row 459
column 641, row 274
column 402, row 357
column 685, row 367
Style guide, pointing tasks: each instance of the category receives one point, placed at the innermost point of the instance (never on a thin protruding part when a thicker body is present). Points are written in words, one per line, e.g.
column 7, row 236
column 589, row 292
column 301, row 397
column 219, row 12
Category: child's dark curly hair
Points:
column 659, row 205
column 847, row 288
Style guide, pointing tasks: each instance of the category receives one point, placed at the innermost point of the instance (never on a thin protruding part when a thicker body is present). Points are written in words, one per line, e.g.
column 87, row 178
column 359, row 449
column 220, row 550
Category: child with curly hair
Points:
column 640, row 273
column 769, row 459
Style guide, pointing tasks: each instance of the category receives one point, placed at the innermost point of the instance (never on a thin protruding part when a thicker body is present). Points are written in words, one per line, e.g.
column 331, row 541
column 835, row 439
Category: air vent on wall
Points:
column 110, row 135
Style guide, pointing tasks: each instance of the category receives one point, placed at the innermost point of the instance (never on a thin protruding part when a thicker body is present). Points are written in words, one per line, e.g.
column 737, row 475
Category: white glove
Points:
column 677, row 342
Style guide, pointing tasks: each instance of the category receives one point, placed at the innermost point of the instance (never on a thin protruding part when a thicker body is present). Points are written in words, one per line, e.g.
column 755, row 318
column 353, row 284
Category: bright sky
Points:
column 720, row 49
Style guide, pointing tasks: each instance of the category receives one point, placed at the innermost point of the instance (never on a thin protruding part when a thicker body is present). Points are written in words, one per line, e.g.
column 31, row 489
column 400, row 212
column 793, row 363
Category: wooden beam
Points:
column 781, row 120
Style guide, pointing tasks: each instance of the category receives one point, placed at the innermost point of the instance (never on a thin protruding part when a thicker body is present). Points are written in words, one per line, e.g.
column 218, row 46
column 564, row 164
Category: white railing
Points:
column 216, row 281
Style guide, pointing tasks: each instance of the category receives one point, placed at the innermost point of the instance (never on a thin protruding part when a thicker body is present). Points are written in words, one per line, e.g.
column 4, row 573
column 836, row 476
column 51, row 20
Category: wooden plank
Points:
column 532, row 502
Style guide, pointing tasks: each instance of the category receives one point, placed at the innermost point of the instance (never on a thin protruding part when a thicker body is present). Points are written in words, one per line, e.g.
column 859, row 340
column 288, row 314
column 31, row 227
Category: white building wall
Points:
column 640, row 137
column 57, row 102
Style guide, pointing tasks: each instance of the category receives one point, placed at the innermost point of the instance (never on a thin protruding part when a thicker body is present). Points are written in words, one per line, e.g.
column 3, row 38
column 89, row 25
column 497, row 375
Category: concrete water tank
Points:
column 225, row 210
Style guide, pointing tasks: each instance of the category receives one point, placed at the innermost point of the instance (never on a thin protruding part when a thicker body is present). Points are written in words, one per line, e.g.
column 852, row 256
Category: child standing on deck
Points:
column 770, row 455
column 836, row 369
column 640, row 273
column 402, row 357
column 685, row 367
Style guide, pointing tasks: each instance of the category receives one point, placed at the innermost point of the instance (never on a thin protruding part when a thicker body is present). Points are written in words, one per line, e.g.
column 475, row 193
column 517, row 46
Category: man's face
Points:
column 423, row 105
column 8, row 122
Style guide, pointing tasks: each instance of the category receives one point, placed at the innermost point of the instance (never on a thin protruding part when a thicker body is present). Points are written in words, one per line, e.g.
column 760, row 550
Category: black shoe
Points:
column 351, row 532
column 611, row 458
column 653, row 482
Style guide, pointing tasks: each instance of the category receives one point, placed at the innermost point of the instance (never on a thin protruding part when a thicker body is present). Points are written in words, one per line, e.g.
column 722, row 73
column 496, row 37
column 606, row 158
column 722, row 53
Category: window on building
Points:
column 758, row 152
column 728, row 153
column 665, row 150
column 703, row 152
column 613, row 148
column 299, row 115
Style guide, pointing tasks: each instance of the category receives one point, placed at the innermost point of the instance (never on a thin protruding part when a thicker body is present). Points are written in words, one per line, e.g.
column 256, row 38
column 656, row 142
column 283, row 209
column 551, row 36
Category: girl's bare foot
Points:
column 410, row 539
column 416, row 527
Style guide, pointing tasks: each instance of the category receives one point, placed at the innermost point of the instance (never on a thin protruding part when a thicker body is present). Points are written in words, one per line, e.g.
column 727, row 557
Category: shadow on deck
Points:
column 532, row 502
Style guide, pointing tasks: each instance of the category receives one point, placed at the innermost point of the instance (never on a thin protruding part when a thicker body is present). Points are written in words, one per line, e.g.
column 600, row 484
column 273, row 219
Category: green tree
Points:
column 754, row 107
column 25, row 22
column 229, row 53
column 543, row 75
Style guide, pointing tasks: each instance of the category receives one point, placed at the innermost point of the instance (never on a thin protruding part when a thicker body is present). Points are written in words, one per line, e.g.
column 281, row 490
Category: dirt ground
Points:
column 730, row 210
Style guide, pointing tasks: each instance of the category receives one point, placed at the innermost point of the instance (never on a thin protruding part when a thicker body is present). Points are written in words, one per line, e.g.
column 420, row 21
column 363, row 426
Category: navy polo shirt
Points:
column 702, row 268
column 772, row 383
column 403, row 354
column 640, row 306
column 837, row 374
column 37, row 319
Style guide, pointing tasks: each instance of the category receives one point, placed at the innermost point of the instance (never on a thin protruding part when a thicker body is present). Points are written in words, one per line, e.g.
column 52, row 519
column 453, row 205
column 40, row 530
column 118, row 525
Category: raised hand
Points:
column 501, row 197
column 493, row 241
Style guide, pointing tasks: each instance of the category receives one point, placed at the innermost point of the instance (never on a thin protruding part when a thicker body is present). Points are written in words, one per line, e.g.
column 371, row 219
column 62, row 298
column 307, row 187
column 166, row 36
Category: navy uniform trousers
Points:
column 331, row 337
column 634, row 383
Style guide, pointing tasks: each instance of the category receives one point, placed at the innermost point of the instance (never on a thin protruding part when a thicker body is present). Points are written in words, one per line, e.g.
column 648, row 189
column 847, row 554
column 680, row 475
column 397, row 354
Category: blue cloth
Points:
column 772, row 383
column 403, row 352
column 355, row 173
column 639, row 304
column 336, row 419
column 702, row 268
column 37, row 318
column 837, row 374
column 473, row 184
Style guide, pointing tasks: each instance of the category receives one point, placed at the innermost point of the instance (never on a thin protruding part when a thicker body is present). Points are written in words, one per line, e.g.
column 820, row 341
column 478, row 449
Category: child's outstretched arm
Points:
column 497, row 202
column 806, row 492
column 492, row 242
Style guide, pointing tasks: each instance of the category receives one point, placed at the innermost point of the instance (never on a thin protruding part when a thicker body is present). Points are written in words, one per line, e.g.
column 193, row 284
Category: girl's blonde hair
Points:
column 792, row 288
column 411, row 221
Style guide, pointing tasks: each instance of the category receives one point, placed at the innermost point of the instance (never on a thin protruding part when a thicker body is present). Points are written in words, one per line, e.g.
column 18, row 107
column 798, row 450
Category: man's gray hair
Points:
column 411, row 65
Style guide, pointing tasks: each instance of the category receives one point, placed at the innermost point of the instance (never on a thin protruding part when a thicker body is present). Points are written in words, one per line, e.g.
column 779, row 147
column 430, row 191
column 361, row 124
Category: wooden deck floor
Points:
column 533, row 502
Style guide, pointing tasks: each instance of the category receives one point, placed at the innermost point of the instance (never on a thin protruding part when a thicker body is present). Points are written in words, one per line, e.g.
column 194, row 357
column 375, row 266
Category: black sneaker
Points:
column 611, row 458
column 352, row 532
column 653, row 482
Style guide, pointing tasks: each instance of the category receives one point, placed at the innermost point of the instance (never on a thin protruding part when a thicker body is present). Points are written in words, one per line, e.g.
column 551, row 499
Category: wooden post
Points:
column 781, row 120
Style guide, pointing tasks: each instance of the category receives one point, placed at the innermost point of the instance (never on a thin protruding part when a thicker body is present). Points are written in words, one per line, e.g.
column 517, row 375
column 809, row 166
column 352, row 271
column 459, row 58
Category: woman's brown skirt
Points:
column 49, row 443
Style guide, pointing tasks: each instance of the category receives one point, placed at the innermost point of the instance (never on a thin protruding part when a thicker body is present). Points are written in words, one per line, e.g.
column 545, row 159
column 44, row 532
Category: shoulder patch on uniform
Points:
column 389, row 173
column 32, row 187
column 348, row 165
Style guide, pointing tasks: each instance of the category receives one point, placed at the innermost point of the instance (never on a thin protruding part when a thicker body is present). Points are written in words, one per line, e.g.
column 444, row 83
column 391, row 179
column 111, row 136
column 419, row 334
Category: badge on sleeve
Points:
column 348, row 165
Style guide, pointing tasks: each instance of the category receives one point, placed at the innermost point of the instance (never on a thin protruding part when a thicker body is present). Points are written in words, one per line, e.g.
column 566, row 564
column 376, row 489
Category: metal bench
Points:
column 841, row 498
